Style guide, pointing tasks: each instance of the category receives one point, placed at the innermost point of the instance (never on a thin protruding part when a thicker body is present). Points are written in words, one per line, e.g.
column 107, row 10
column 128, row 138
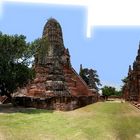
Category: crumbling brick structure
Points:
column 131, row 90
column 56, row 85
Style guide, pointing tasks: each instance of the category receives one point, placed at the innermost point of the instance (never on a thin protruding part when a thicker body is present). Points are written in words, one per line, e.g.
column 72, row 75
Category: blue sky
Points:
column 110, row 50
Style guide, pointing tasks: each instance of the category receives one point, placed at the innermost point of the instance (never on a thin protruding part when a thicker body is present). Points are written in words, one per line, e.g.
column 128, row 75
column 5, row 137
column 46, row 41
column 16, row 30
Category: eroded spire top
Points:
column 52, row 30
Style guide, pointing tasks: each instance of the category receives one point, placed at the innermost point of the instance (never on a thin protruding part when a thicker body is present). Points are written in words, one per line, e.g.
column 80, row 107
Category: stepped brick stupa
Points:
column 56, row 85
column 131, row 90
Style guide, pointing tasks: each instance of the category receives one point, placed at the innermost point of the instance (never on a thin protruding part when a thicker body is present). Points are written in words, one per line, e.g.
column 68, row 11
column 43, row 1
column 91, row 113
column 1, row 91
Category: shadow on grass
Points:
column 9, row 108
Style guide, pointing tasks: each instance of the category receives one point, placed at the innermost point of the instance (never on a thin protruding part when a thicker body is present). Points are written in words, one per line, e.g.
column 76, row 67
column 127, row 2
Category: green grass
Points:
column 100, row 121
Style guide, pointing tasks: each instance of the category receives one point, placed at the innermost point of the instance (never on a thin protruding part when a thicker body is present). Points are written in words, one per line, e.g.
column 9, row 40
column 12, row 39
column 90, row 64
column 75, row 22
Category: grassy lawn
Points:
column 100, row 121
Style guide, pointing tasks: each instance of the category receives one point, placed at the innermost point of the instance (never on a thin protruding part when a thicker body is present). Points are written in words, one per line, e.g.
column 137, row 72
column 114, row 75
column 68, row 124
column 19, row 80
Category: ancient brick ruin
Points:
column 131, row 90
column 56, row 85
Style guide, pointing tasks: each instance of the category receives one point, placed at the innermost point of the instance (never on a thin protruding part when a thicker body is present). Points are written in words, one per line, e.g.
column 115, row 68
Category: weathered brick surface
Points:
column 131, row 90
column 56, row 84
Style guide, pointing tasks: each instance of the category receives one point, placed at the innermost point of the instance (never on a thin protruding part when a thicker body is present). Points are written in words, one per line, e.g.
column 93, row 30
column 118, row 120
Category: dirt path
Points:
column 2, row 137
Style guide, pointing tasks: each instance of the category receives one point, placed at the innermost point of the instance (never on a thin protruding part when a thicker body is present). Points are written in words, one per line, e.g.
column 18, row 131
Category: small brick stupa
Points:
column 56, row 85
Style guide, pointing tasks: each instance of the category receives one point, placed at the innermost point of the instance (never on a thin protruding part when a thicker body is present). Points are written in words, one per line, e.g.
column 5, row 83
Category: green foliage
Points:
column 125, row 80
column 108, row 91
column 91, row 77
column 15, row 56
column 118, row 93
column 84, row 77
column 39, row 49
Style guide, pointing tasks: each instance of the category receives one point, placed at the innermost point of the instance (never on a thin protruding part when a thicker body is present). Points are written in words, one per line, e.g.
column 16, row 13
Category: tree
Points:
column 91, row 77
column 15, row 56
column 109, row 90
column 125, row 80
column 125, row 83
column 118, row 93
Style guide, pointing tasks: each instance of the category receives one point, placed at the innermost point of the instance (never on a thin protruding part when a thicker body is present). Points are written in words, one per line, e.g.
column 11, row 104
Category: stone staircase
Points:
column 75, row 83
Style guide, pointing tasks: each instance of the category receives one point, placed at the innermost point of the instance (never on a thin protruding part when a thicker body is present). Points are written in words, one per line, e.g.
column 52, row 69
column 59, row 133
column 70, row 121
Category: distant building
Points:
column 56, row 85
column 131, row 89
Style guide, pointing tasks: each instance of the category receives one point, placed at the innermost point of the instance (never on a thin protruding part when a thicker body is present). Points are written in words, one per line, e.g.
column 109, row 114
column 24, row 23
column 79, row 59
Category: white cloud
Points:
column 100, row 12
